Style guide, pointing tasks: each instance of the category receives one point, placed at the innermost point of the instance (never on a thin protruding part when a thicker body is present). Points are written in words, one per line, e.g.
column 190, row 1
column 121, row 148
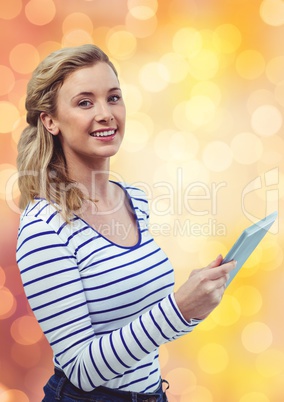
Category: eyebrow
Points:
column 86, row 93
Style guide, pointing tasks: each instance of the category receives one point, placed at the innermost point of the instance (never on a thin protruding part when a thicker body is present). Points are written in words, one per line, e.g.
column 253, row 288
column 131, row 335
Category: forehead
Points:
column 96, row 77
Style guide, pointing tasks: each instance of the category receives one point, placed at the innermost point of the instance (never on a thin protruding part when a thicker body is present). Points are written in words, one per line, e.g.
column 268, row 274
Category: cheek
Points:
column 72, row 122
column 122, row 115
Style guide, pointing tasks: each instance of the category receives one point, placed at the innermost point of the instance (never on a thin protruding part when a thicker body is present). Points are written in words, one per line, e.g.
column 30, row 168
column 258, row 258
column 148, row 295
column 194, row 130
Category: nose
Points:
column 103, row 112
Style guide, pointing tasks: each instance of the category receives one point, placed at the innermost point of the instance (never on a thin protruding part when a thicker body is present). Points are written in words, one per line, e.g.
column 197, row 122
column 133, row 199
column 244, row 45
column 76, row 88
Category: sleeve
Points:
column 53, row 286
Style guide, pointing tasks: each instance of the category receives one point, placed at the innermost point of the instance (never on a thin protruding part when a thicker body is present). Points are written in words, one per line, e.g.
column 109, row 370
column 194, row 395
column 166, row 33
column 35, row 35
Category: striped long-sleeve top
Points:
column 104, row 308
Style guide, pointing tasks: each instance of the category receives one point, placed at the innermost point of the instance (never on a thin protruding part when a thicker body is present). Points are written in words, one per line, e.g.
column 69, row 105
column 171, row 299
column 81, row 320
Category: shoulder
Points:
column 137, row 196
column 40, row 214
column 43, row 229
column 136, row 193
column 40, row 208
column 139, row 201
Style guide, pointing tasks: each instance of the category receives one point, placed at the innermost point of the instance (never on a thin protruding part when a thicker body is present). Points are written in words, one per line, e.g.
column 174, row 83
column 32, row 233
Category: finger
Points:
column 221, row 282
column 216, row 262
column 217, row 284
column 221, row 270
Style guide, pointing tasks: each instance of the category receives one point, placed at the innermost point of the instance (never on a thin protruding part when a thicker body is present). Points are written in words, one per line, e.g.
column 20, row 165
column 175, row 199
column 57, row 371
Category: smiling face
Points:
column 90, row 116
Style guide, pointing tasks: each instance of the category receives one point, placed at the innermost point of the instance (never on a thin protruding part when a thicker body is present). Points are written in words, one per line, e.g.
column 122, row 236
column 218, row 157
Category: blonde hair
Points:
column 41, row 162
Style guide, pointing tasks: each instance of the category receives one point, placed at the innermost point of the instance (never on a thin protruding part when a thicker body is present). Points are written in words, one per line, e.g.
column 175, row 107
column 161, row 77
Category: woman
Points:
column 99, row 286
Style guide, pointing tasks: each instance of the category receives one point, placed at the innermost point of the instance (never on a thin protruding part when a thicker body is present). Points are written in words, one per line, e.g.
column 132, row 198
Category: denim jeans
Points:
column 59, row 388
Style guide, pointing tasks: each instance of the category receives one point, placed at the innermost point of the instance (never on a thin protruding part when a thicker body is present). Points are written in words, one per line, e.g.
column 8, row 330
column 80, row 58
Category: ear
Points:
column 49, row 123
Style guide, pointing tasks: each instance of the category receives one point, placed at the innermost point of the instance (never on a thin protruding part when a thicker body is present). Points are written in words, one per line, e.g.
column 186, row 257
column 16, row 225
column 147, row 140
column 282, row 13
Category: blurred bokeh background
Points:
column 203, row 82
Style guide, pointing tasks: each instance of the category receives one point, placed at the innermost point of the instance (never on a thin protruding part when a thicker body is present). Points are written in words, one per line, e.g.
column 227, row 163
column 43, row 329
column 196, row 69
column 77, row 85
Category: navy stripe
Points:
column 158, row 326
column 94, row 364
column 166, row 318
column 90, row 240
column 137, row 340
column 142, row 212
column 123, row 317
column 40, row 249
column 65, row 297
column 178, row 313
column 125, row 265
column 61, row 228
column 66, row 324
column 147, row 333
column 42, row 278
column 126, row 347
column 28, row 211
column 34, row 236
column 133, row 289
column 88, row 376
column 104, row 358
column 68, row 363
column 52, row 216
column 47, row 262
column 96, row 250
column 80, row 341
column 27, row 225
column 71, row 308
column 53, row 288
column 110, row 257
column 128, row 276
column 79, row 378
column 45, row 206
column 115, row 352
column 137, row 301
column 69, row 335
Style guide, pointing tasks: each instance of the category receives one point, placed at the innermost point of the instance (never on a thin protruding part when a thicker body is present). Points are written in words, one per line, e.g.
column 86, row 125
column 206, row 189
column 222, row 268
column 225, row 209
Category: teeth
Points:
column 103, row 133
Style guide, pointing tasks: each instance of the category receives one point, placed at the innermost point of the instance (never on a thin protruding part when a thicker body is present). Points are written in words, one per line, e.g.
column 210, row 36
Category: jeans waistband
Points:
column 64, row 383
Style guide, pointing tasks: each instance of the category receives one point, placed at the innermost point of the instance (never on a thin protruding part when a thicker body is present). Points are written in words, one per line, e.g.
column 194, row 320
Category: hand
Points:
column 204, row 289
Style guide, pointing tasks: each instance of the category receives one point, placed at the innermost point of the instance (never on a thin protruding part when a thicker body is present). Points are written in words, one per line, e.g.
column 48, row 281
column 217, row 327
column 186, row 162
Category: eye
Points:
column 114, row 98
column 85, row 103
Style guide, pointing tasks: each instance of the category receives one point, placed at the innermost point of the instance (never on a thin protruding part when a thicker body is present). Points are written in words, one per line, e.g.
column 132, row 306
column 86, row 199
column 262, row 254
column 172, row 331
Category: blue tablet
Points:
column 247, row 242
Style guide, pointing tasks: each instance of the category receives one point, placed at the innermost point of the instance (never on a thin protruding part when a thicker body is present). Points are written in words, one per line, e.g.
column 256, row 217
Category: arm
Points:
column 54, row 289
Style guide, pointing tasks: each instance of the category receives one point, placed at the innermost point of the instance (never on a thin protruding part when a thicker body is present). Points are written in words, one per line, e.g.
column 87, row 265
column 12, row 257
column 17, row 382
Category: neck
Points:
column 93, row 180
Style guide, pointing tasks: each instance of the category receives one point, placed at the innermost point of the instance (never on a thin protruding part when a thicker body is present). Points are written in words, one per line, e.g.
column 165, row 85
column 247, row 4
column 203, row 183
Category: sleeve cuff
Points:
column 176, row 317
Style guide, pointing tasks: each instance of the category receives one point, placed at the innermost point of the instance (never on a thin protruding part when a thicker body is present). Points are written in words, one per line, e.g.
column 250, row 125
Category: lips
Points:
column 103, row 133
